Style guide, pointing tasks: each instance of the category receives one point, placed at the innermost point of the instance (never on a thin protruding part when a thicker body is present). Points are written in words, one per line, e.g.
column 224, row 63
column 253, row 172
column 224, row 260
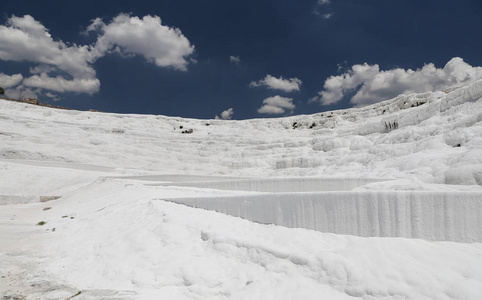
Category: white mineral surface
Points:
column 378, row 202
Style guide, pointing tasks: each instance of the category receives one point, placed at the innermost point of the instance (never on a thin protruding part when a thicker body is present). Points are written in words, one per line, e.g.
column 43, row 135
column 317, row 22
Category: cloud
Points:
column 372, row 85
column 327, row 16
column 63, row 67
column 26, row 39
column 235, row 59
column 322, row 9
column 7, row 81
column 52, row 96
column 159, row 44
column 277, row 105
column 226, row 115
column 287, row 85
column 21, row 92
column 62, row 85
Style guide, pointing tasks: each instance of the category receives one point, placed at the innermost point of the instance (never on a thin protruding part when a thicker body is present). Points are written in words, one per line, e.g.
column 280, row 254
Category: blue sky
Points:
column 235, row 59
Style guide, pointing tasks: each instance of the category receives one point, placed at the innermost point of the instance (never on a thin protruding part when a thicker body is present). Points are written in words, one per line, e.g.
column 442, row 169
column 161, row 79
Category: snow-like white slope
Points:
column 437, row 142
column 112, row 235
column 115, row 239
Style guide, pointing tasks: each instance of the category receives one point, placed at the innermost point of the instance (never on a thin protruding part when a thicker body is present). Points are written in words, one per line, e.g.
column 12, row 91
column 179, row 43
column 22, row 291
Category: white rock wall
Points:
column 282, row 185
column 441, row 216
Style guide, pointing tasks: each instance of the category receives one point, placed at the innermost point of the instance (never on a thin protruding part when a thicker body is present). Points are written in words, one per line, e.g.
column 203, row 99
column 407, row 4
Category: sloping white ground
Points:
column 114, row 238
column 437, row 142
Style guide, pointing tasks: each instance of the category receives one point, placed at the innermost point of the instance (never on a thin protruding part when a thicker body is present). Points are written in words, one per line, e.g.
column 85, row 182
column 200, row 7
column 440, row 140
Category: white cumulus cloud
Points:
column 235, row 59
column 372, row 85
column 271, row 82
column 159, row 44
column 68, row 67
column 21, row 92
column 277, row 105
column 7, row 81
column 26, row 39
column 226, row 115
column 60, row 84
column 327, row 16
